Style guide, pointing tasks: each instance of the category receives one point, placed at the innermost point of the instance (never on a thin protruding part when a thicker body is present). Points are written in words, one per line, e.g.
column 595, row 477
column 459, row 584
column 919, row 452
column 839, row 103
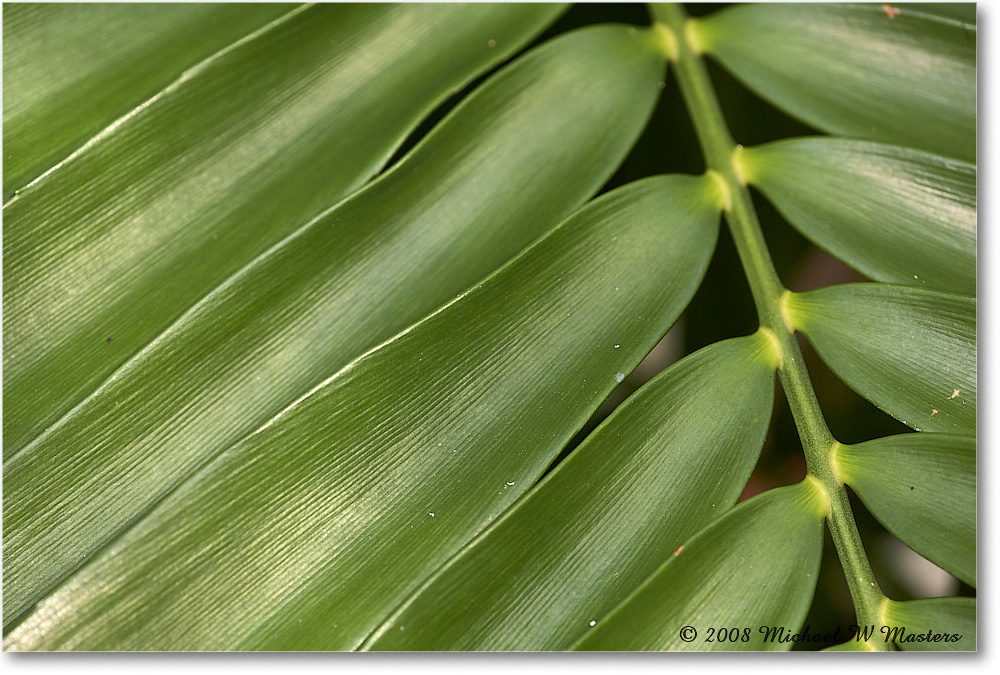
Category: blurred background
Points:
column 723, row 308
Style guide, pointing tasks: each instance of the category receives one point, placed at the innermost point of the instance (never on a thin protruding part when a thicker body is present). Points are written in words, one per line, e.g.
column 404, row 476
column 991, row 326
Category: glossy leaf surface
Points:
column 388, row 467
column 519, row 154
column 897, row 215
column 910, row 351
column 69, row 69
column 905, row 77
column 756, row 566
column 672, row 458
column 963, row 12
column 922, row 487
column 922, row 621
column 104, row 252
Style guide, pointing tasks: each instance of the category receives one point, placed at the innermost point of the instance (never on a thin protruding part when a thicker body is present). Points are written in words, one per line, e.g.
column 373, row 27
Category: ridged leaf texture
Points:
column 756, row 566
column 661, row 468
column 860, row 70
column 911, row 352
column 334, row 288
column 326, row 326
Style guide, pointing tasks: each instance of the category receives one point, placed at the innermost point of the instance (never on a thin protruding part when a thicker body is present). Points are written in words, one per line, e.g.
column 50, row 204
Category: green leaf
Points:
column 922, row 487
column 852, row 645
column 855, row 70
column 937, row 624
column 306, row 533
column 754, row 567
column 114, row 244
column 963, row 12
column 910, row 217
column 910, row 351
column 667, row 462
column 70, row 68
column 530, row 144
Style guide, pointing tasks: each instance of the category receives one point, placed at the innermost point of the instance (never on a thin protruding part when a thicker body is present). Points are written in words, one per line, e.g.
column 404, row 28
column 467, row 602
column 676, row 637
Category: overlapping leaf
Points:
column 672, row 458
column 910, row 351
column 104, row 252
column 69, row 69
column 898, row 215
column 306, row 533
column 863, row 70
column 531, row 144
column 963, row 12
column 922, row 487
column 936, row 624
column 754, row 567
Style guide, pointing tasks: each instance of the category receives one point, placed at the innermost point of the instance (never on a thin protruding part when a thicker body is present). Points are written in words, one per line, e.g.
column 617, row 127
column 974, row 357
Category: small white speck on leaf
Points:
column 510, row 483
column 619, row 377
column 593, row 623
column 431, row 515
column 617, row 346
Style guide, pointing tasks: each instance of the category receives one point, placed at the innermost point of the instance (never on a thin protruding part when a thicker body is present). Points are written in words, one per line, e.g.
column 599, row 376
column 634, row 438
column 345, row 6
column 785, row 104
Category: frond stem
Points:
column 768, row 292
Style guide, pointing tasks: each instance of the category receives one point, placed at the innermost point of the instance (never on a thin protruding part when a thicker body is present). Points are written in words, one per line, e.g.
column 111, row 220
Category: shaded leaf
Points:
column 388, row 467
column 855, row 69
column 69, row 69
column 673, row 457
column 907, row 350
column 852, row 645
column 937, row 624
column 101, row 254
column 922, row 487
column 897, row 215
column 520, row 153
column 754, row 567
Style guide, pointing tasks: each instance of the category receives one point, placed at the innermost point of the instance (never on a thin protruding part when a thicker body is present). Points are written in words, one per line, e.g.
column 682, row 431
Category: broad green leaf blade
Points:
column 671, row 459
column 856, row 70
column 754, row 567
column 528, row 146
column 852, row 645
column 69, row 69
column 308, row 532
column 922, row 487
column 908, row 217
column 103, row 253
column 963, row 12
column 910, row 351
column 937, row 624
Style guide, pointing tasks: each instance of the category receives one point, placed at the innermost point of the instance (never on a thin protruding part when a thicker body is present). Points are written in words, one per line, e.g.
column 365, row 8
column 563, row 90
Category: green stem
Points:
column 768, row 292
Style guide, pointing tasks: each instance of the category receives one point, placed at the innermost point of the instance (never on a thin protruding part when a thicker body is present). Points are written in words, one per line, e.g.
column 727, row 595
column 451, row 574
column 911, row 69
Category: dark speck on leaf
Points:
column 911, row 487
column 109, row 340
